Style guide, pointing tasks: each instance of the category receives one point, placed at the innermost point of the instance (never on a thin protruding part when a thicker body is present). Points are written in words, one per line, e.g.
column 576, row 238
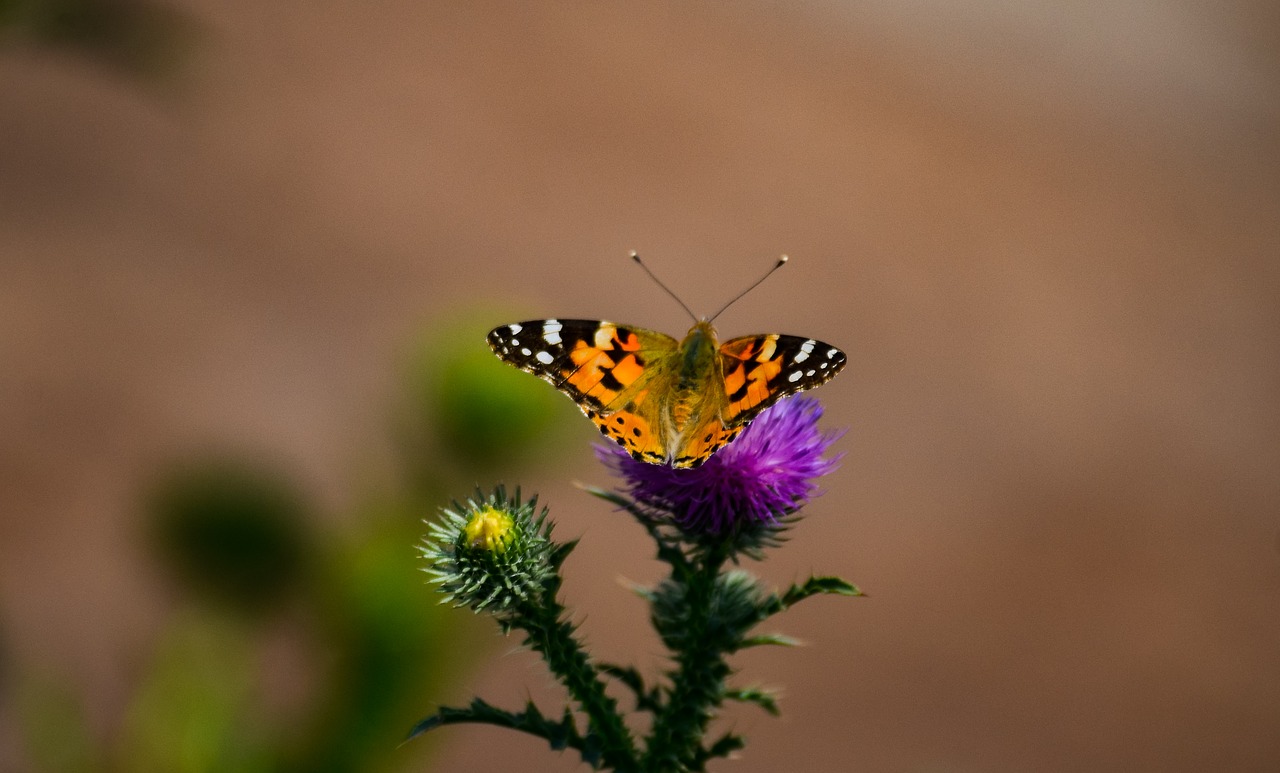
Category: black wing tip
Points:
column 494, row 339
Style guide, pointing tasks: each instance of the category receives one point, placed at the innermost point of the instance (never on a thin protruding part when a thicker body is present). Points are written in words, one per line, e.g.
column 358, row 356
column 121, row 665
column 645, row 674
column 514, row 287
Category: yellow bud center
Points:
column 489, row 529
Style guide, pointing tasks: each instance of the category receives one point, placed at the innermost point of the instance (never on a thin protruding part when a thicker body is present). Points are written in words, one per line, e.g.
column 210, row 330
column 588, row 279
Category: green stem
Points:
column 549, row 634
column 697, row 683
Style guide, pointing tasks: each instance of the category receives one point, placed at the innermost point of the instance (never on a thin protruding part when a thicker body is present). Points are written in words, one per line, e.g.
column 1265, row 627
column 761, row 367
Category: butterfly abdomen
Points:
column 696, row 365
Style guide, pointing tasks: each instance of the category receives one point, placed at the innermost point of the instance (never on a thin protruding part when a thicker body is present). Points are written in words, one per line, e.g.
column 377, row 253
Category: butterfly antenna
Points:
column 781, row 261
column 636, row 258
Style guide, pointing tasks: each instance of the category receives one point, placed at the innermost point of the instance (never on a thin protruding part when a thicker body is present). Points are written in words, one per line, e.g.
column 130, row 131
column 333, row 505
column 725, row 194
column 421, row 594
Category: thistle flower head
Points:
column 492, row 552
column 750, row 485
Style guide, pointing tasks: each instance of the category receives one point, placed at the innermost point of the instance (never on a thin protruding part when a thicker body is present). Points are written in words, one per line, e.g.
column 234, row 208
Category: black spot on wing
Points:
column 610, row 382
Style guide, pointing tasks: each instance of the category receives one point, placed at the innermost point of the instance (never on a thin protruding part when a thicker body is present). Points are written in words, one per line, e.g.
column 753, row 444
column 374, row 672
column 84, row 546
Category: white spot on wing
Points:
column 551, row 336
column 832, row 353
column 802, row 356
column 525, row 351
column 544, row 358
column 795, row 376
column 514, row 328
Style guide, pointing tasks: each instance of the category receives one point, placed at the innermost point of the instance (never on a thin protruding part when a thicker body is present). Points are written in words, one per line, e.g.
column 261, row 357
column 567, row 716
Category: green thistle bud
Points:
column 732, row 608
column 493, row 552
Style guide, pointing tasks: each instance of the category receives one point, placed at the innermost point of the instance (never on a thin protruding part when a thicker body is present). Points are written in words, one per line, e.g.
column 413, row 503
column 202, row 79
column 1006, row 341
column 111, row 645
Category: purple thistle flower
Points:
column 764, row 475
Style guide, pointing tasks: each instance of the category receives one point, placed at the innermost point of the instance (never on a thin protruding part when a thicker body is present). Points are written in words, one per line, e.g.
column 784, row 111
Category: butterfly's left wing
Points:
column 760, row 370
column 615, row 373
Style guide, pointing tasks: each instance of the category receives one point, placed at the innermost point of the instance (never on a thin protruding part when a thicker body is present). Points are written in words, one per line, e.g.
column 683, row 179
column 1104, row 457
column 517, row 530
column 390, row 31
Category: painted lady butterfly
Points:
column 666, row 401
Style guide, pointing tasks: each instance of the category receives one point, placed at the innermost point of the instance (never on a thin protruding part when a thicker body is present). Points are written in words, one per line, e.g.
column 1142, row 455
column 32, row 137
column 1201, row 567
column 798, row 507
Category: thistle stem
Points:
column 698, row 681
column 549, row 634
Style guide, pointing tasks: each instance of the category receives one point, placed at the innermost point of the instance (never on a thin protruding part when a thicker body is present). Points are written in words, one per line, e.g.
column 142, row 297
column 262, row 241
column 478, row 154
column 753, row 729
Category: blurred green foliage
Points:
column 139, row 36
column 232, row 531
column 389, row 645
column 472, row 417
column 196, row 709
column 57, row 734
column 255, row 574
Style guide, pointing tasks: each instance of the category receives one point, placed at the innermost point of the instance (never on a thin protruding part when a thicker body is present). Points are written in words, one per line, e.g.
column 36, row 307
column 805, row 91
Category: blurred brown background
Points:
column 1046, row 235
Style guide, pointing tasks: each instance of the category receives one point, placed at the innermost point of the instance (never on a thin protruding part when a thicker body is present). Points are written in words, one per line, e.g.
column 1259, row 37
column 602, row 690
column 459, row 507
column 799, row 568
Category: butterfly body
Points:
column 665, row 401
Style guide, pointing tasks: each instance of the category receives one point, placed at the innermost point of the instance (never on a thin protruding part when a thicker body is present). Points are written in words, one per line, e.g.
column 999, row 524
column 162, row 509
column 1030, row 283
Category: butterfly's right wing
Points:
column 759, row 370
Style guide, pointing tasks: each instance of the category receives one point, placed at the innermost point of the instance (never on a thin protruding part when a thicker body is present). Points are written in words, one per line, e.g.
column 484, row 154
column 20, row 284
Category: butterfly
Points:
column 666, row 401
